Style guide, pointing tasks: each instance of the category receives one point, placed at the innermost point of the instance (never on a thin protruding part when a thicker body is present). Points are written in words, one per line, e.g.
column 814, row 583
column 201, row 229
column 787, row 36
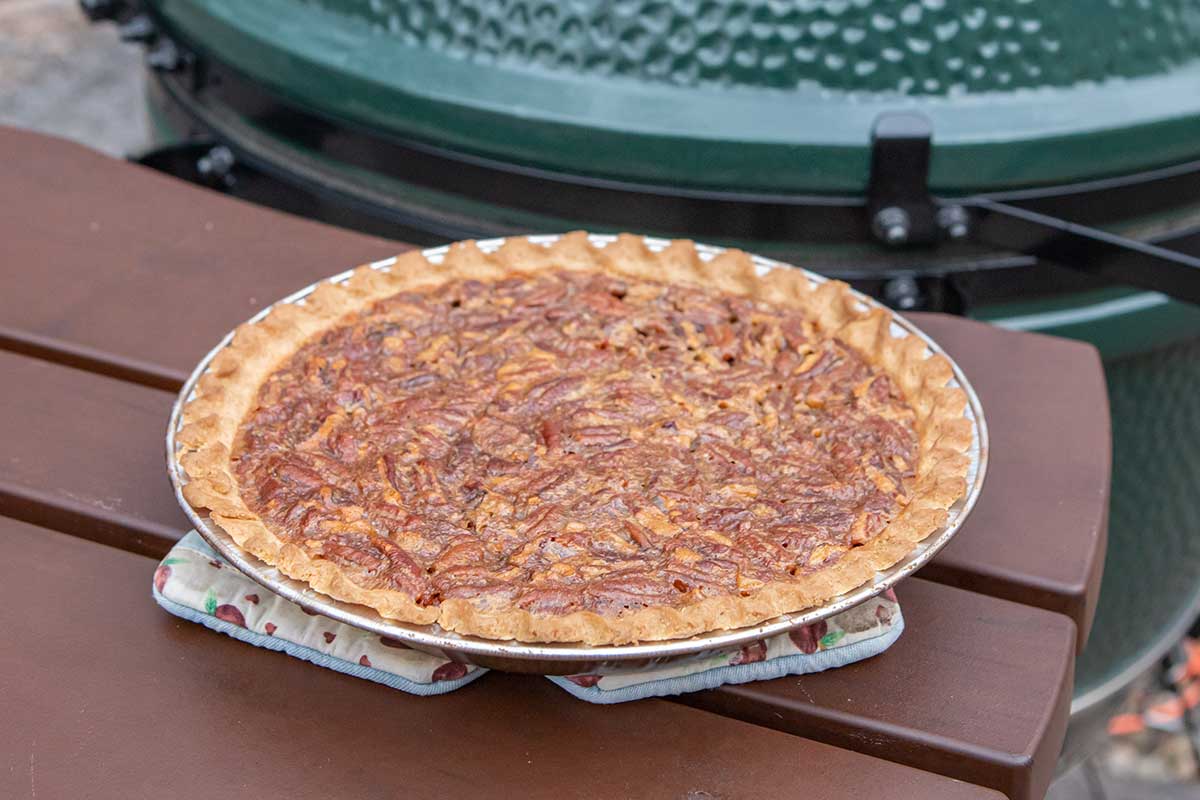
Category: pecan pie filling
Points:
column 573, row 441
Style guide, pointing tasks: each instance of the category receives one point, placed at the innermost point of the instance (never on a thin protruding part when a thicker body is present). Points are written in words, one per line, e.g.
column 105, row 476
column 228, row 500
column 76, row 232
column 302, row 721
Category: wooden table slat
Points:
column 84, row 447
column 105, row 695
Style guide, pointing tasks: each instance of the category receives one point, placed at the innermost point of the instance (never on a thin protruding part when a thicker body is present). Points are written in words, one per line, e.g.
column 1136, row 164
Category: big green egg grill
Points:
column 1035, row 163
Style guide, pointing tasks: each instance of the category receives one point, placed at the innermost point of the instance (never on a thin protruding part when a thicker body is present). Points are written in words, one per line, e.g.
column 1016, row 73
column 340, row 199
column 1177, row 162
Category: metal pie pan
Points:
column 573, row 658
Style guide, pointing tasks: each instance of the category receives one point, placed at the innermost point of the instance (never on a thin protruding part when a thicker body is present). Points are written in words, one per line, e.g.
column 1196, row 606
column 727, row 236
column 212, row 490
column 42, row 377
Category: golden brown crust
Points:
column 228, row 390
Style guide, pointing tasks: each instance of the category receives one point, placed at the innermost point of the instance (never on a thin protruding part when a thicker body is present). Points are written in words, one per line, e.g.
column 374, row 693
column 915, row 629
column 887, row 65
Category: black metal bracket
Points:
column 899, row 206
column 902, row 211
column 119, row 11
column 1089, row 250
column 98, row 10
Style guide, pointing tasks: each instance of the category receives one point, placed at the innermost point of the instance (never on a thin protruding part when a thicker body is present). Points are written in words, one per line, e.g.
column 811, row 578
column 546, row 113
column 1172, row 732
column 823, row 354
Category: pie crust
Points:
column 228, row 391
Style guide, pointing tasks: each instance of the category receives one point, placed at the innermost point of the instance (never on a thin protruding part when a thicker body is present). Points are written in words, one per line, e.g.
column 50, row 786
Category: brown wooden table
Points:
column 117, row 279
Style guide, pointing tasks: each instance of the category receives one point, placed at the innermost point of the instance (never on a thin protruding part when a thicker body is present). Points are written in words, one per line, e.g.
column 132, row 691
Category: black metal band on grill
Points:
column 621, row 204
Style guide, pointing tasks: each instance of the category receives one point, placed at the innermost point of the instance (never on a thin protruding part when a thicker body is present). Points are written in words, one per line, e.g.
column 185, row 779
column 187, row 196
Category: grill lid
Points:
column 758, row 95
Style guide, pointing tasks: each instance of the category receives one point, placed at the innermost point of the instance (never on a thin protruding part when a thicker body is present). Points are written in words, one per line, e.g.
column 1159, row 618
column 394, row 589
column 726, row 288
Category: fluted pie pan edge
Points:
column 959, row 440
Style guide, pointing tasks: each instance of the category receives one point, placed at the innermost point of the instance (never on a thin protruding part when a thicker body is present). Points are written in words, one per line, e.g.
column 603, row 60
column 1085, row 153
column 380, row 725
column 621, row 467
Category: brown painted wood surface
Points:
column 131, row 277
column 133, row 274
column 106, row 696
column 962, row 648
column 85, row 452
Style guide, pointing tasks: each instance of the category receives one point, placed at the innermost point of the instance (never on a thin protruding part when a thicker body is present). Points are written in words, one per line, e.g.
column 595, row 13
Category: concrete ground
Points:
column 62, row 75
column 1079, row 785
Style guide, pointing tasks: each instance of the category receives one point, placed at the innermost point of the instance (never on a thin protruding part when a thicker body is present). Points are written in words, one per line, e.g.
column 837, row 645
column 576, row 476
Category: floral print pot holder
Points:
column 194, row 583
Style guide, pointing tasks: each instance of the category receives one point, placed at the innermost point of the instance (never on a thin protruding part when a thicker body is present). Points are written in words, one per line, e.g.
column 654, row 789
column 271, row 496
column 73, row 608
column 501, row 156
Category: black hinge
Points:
column 900, row 208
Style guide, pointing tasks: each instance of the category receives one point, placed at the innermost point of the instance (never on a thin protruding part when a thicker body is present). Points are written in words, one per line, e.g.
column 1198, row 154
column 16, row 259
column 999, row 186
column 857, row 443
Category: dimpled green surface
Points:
column 741, row 96
column 931, row 47
column 1152, row 570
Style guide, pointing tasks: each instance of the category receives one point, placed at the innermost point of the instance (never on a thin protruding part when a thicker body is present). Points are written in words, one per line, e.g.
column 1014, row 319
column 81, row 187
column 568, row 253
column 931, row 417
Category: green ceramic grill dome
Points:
column 742, row 95
column 934, row 47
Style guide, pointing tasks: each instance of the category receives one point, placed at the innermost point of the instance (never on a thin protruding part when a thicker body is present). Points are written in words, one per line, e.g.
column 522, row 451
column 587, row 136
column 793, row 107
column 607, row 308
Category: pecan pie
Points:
column 577, row 443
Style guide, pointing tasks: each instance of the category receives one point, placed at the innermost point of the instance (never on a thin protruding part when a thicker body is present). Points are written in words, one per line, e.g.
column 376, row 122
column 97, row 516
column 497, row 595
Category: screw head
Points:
column 138, row 29
column 891, row 225
column 164, row 57
column 903, row 293
column 216, row 167
column 954, row 221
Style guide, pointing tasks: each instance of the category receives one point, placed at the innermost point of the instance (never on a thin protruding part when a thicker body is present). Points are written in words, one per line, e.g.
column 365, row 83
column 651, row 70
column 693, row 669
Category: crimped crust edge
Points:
column 228, row 389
